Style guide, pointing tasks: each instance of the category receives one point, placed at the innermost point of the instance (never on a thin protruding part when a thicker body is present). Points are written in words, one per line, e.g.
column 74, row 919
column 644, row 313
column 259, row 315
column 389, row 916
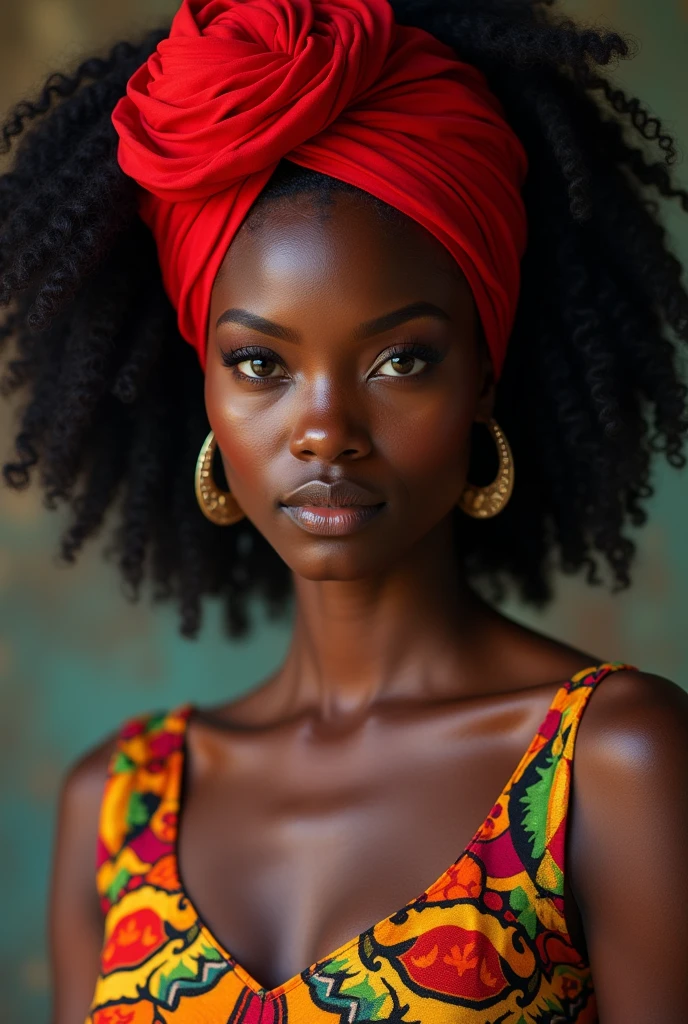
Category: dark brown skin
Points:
column 349, row 781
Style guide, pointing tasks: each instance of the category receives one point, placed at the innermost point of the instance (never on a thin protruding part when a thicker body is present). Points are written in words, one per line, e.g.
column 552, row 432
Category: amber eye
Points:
column 404, row 364
column 258, row 367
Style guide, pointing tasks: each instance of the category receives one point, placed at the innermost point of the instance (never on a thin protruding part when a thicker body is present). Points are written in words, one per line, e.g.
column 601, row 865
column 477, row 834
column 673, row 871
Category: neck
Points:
column 407, row 633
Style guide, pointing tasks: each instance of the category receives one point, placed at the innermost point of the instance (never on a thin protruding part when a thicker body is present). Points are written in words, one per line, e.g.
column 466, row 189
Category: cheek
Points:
column 427, row 443
column 245, row 436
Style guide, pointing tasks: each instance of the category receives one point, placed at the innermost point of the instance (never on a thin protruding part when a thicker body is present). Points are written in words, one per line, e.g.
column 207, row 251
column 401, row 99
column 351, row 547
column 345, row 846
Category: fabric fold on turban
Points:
column 335, row 86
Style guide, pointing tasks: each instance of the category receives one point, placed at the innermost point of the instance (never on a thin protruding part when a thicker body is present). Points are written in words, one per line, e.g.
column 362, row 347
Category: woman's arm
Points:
column 75, row 919
column 628, row 847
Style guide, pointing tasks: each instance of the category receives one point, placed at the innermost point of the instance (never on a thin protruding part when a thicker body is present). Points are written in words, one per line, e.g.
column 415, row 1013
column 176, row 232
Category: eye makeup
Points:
column 427, row 354
column 252, row 353
column 413, row 349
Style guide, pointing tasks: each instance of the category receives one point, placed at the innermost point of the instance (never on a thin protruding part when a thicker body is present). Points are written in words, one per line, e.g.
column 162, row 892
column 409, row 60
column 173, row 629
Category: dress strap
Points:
column 572, row 699
column 138, row 812
column 542, row 791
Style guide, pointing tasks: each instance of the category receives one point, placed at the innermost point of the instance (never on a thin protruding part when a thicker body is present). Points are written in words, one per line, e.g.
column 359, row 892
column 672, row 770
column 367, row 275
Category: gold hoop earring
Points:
column 485, row 502
column 220, row 507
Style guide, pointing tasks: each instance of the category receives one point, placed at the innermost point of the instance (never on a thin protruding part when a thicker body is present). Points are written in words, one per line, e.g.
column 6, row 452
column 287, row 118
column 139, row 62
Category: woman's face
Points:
column 343, row 375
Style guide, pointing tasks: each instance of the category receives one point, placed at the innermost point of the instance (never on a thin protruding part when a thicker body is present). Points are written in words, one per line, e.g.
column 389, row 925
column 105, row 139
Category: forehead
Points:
column 344, row 248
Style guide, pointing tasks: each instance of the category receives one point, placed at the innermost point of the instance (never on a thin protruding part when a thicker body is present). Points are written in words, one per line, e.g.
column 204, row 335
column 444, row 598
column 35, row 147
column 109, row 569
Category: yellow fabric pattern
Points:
column 486, row 943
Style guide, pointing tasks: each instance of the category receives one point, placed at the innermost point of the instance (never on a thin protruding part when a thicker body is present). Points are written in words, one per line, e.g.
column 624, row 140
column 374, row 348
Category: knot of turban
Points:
column 335, row 86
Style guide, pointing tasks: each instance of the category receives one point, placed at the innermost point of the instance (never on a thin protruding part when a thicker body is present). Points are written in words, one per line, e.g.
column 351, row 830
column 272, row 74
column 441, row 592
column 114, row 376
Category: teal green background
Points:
column 76, row 658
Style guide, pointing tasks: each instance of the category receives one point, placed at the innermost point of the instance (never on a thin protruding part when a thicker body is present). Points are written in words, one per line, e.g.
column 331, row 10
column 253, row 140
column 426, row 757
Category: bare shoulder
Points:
column 626, row 845
column 84, row 779
column 81, row 794
column 75, row 918
column 629, row 802
column 635, row 727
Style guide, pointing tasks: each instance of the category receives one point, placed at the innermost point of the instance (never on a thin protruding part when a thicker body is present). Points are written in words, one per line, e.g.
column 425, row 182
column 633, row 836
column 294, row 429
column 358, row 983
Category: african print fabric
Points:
column 486, row 943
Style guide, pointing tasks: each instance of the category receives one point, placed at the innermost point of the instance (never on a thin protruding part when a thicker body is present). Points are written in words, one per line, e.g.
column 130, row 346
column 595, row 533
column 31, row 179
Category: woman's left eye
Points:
column 404, row 364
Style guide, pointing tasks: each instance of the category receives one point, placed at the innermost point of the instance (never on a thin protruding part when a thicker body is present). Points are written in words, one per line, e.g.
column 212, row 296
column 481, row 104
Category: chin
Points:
column 338, row 563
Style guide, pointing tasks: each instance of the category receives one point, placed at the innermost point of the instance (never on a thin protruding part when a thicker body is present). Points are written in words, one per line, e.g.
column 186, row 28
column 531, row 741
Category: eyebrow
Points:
column 386, row 322
column 256, row 323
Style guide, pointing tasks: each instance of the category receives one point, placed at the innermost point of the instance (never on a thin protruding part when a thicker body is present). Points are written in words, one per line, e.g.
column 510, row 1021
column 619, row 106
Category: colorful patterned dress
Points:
column 486, row 943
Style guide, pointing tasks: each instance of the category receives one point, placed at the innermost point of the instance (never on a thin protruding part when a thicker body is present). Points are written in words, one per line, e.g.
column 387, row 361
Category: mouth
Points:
column 332, row 521
column 332, row 509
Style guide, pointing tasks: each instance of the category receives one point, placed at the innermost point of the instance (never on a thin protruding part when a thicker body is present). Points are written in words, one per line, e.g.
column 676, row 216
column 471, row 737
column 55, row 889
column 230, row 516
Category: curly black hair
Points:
column 114, row 413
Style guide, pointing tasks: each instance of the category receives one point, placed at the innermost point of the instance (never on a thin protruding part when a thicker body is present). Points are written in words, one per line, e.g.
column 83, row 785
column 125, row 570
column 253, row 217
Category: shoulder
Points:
column 626, row 843
column 74, row 911
column 635, row 727
column 81, row 799
column 84, row 781
column 85, row 777
column 629, row 802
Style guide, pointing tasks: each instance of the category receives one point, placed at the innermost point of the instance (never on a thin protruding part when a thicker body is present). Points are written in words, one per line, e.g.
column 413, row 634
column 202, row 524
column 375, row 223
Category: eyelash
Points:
column 418, row 349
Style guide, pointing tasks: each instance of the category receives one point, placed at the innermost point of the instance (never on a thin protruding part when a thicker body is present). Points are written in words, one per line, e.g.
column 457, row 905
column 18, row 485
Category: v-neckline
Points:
column 186, row 710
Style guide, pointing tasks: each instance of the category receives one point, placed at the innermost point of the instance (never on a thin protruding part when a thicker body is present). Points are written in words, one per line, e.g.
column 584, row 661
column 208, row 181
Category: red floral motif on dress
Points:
column 134, row 939
column 456, row 961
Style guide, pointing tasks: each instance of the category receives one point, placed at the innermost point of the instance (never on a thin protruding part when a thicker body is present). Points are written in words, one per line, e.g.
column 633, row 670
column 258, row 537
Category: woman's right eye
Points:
column 257, row 367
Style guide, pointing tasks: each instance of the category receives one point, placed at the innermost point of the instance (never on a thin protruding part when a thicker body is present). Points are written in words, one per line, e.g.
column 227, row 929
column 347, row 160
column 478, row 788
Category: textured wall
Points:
column 75, row 658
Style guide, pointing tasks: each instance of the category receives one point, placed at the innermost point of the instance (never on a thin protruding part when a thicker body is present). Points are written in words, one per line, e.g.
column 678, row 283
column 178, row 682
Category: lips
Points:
column 339, row 494
column 332, row 509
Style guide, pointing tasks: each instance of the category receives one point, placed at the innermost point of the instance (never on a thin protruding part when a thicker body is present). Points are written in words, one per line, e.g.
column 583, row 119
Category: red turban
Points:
column 336, row 86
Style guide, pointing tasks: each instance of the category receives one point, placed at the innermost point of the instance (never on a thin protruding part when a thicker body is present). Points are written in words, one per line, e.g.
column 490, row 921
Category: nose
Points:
column 328, row 428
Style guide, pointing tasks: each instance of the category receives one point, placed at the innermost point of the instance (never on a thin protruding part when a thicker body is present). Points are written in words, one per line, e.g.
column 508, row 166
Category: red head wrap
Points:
column 336, row 86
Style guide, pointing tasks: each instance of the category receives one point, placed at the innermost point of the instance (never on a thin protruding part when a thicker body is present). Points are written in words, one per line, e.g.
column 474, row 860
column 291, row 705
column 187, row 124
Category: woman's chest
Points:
column 290, row 847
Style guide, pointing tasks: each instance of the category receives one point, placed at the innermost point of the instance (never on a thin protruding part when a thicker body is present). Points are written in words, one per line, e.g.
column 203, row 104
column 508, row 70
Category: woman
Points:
column 398, row 238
